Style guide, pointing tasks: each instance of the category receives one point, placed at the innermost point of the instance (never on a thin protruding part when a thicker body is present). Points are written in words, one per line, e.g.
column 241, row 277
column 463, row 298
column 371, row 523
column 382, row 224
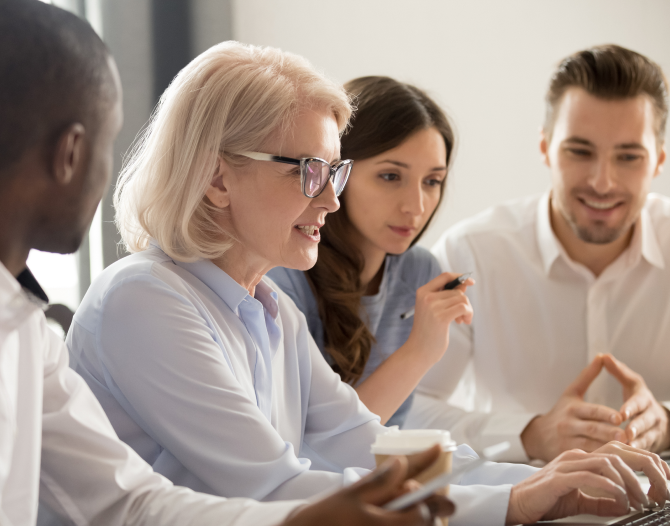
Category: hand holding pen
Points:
column 438, row 303
column 460, row 280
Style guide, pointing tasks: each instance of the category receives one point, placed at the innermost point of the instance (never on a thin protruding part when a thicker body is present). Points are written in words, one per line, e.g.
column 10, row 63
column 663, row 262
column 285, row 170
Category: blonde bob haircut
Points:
column 231, row 98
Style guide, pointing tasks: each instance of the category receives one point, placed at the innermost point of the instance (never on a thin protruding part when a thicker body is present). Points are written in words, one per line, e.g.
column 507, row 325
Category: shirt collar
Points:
column 225, row 287
column 551, row 248
column 16, row 303
column 30, row 285
column 229, row 290
column 549, row 245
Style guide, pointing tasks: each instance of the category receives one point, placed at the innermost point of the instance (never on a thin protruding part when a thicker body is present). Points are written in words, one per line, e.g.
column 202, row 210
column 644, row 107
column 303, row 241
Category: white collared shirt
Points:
column 56, row 441
column 177, row 354
column 540, row 318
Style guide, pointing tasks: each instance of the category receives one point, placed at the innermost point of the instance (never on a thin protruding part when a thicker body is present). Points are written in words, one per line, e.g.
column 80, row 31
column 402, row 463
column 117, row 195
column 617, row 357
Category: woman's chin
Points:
column 300, row 263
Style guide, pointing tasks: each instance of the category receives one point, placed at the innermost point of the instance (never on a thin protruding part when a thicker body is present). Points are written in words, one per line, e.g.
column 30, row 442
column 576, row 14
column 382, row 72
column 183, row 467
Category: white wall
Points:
column 487, row 62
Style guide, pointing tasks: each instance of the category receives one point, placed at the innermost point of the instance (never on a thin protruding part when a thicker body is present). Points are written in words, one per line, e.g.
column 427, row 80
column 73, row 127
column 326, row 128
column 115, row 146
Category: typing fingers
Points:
column 593, row 484
column 650, row 463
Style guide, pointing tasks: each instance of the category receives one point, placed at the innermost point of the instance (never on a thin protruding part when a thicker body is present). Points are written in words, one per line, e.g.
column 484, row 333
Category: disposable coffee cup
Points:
column 395, row 441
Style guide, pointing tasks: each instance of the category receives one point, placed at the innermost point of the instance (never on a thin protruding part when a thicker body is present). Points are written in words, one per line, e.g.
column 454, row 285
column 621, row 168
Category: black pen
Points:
column 449, row 286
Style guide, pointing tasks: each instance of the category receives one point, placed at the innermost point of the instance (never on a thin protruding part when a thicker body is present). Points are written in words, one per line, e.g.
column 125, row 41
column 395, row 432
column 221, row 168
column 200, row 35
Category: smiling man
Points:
column 570, row 284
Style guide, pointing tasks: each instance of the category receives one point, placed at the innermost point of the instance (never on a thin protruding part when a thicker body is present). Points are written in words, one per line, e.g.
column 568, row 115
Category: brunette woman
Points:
column 369, row 270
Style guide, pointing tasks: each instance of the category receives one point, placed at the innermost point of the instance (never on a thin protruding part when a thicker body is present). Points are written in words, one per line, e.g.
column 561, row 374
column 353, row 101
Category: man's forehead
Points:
column 619, row 121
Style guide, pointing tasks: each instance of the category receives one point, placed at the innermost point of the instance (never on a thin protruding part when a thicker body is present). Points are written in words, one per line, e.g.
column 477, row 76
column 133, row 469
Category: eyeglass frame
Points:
column 258, row 156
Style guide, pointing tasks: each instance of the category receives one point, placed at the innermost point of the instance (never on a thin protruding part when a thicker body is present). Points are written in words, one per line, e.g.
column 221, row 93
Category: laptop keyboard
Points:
column 653, row 517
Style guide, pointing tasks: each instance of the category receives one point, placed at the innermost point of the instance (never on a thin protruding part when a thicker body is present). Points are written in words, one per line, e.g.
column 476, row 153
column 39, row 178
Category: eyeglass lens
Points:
column 341, row 176
column 317, row 174
column 316, row 177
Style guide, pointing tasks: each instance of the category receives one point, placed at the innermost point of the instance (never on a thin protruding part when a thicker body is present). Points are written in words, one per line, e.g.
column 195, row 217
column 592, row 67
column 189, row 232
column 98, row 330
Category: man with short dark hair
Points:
column 60, row 111
column 571, row 282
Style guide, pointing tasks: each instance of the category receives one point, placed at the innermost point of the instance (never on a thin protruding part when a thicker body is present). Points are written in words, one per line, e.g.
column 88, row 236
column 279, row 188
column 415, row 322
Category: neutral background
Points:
column 487, row 63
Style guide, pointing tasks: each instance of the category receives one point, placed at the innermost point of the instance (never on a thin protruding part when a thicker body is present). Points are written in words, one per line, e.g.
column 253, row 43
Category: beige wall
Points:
column 487, row 62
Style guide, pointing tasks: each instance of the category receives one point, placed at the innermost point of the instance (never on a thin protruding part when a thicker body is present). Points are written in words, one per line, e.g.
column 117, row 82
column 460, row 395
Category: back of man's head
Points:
column 609, row 72
column 54, row 71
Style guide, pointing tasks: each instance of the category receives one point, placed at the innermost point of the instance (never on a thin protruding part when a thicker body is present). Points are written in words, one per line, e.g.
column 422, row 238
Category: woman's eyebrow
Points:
column 397, row 163
column 406, row 166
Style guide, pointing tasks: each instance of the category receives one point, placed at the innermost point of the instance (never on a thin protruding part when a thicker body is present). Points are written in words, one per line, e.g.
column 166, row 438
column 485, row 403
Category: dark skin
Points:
column 49, row 196
column 358, row 505
column 47, row 201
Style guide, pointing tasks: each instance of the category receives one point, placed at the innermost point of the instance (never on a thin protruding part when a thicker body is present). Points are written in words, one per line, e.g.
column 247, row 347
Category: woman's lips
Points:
column 311, row 232
column 403, row 231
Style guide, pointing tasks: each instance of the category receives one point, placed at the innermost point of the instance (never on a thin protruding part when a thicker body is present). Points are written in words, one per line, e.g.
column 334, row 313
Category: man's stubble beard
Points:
column 598, row 233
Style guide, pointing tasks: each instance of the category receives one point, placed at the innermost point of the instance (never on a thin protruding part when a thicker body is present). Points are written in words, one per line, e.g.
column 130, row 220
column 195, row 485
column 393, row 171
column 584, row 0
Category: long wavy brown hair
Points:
column 387, row 113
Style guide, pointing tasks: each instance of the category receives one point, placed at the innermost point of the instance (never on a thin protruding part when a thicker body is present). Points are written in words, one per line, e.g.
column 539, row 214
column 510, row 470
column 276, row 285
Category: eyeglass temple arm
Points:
column 257, row 156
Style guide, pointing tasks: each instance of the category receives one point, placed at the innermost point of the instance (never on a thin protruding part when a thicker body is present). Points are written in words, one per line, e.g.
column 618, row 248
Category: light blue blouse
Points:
column 227, row 393
column 403, row 275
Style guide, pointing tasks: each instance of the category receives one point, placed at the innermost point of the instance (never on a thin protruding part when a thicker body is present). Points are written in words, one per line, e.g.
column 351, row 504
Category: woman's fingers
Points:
column 593, row 483
column 612, row 468
column 600, row 507
column 650, row 463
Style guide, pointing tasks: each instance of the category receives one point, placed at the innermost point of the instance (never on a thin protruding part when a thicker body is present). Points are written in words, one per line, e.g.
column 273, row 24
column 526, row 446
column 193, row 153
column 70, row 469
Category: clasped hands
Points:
column 575, row 424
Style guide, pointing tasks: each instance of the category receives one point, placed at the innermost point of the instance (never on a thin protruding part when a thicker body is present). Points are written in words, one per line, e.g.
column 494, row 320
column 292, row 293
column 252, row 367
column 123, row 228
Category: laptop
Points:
column 651, row 517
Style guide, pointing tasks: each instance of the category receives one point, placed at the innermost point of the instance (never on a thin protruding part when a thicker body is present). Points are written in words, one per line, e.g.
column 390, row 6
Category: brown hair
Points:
column 609, row 72
column 387, row 113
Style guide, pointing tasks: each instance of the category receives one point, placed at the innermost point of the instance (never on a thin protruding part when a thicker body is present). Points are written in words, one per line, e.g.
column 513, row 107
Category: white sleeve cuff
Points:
column 477, row 505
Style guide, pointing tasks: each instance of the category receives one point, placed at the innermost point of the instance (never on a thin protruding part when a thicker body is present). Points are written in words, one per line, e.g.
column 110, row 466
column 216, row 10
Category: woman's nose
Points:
column 412, row 201
column 327, row 199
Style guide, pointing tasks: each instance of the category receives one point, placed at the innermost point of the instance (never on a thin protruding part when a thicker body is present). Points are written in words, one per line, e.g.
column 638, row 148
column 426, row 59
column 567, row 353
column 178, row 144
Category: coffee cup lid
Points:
column 396, row 441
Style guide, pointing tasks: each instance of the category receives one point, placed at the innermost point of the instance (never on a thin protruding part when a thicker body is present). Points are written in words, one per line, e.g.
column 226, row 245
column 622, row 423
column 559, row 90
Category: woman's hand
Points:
column 388, row 387
column 434, row 311
column 576, row 482
column 359, row 504
column 651, row 464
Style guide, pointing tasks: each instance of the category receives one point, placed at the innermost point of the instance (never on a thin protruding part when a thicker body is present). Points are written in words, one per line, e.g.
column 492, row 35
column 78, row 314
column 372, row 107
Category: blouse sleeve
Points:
column 88, row 474
column 161, row 362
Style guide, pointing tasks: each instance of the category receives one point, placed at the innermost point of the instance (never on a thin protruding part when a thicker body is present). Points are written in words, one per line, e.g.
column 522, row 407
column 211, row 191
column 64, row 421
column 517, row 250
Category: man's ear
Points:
column 69, row 153
column 544, row 146
column 218, row 192
column 661, row 161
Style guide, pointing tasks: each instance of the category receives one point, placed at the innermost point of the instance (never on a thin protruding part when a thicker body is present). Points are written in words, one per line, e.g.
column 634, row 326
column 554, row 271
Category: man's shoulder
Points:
column 506, row 219
column 658, row 208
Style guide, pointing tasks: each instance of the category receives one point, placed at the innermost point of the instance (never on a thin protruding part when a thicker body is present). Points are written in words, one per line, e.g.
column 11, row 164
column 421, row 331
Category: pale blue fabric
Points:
column 219, row 391
column 228, row 394
column 403, row 275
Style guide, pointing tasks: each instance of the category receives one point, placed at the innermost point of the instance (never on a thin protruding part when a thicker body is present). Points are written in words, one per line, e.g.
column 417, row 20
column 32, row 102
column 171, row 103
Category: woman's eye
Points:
column 434, row 182
column 389, row 177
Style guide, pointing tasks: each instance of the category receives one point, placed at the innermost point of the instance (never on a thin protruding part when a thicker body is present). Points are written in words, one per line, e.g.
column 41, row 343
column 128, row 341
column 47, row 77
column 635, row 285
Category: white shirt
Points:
column 173, row 350
column 48, row 413
column 540, row 318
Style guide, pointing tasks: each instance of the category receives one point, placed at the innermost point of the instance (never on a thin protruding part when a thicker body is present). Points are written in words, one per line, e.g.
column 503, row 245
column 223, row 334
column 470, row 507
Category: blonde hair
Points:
column 231, row 98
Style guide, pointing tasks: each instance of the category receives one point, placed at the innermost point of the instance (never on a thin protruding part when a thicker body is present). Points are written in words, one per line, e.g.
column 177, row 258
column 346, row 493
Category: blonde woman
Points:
column 206, row 369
